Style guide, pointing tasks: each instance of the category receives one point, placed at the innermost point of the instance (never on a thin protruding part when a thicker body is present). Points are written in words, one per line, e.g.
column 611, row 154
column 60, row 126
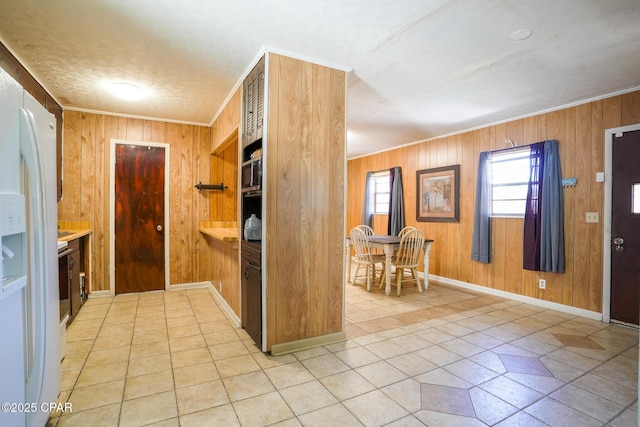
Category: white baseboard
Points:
column 193, row 285
column 226, row 306
column 522, row 298
column 99, row 294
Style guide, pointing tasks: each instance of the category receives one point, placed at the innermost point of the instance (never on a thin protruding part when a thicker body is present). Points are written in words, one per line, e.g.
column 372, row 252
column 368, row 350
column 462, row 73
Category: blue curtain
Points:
column 552, row 223
column 367, row 205
column 396, row 204
column 481, row 240
column 532, row 213
column 544, row 216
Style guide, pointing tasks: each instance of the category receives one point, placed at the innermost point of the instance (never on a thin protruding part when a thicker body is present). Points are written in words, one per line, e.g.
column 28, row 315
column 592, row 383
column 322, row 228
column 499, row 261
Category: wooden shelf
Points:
column 224, row 234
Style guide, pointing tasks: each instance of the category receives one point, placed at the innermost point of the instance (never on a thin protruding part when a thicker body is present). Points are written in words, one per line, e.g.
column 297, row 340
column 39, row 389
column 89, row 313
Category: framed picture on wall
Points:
column 438, row 194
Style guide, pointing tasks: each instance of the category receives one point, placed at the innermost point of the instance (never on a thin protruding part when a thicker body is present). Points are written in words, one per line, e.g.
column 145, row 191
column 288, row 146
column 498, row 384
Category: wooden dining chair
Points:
column 405, row 230
column 364, row 256
column 407, row 256
column 367, row 230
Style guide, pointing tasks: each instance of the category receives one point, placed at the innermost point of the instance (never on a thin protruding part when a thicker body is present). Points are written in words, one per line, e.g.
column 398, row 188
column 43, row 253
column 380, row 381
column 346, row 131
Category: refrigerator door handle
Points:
column 37, row 310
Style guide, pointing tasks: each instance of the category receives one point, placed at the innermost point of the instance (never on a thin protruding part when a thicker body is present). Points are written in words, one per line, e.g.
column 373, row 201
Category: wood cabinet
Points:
column 302, row 202
column 253, row 104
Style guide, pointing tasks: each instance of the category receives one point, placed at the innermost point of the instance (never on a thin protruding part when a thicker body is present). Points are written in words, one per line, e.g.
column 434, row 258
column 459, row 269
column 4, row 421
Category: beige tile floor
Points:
column 448, row 357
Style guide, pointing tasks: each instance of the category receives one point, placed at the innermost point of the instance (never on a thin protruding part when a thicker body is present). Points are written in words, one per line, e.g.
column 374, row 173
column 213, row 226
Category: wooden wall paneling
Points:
column 100, row 227
column 224, row 271
column 611, row 112
column 273, row 134
column 147, row 130
column 630, row 108
column 596, row 204
column 453, row 229
column 172, row 135
column 187, row 206
column 582, row 245
column 316, row 93
column 87, row 171
column 567, row 148
column 227, row 122
column 513, row 260
column 287, row 199
column 71, row 162
column 307, row 296
column 337, row 186
column 134, row 129
column 230, row 179
column 468, row 173
column 204, row 252
column 196, row 213
column 530, row 130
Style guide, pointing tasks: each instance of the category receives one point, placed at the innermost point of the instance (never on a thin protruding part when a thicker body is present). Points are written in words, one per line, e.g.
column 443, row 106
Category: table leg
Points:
column 347, row 244
column 427, row 249
column 388, row 251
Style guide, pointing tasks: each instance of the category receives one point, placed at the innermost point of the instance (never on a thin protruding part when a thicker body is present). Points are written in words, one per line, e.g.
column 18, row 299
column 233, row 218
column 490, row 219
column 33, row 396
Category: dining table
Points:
column 389, row 244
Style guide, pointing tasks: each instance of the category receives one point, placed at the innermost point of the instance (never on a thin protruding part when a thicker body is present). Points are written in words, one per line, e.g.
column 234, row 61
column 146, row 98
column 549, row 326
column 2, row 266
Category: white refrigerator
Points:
column 29, row 296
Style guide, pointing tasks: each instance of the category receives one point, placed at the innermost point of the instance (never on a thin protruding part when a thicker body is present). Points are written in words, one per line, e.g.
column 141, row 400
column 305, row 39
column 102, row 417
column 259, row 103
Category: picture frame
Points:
column 438, row 194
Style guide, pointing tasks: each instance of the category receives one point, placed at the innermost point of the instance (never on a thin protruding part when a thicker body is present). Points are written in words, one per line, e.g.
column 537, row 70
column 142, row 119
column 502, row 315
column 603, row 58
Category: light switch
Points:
column 599, row 176
column 593, row 217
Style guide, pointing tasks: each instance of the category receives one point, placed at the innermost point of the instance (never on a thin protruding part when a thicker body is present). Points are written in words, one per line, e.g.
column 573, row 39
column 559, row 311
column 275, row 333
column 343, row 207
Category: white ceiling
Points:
column 418, row 68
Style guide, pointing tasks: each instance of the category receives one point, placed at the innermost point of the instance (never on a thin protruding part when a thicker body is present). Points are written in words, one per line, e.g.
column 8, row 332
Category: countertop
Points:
column 225, row 234
column 73, row 234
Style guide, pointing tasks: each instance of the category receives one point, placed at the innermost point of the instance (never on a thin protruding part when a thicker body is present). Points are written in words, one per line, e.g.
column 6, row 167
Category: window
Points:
column 381, row 188
column 510, row 180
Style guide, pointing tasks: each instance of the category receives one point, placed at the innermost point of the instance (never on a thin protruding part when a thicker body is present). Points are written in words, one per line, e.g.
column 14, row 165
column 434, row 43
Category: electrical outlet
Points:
column 593, row 217
column 542, row 284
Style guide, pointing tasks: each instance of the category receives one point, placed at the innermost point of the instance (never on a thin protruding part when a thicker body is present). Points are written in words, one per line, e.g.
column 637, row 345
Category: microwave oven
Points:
column 252, row 175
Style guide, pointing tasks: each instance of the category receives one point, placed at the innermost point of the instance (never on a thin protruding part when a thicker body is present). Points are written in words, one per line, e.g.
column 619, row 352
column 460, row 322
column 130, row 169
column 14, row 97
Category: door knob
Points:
column 159, row 227
column 618, row 242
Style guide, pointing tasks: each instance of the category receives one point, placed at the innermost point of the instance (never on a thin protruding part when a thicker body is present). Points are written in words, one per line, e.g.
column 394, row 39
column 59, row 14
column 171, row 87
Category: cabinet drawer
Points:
column 251, row 253
column 74, row 245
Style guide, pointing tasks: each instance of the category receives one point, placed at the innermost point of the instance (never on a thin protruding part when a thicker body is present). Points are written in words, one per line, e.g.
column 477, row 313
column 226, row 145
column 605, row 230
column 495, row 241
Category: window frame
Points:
column 520, row 154
column 384, row 175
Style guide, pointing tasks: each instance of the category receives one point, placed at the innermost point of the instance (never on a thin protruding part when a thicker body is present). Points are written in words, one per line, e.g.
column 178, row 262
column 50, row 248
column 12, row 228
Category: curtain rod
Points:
column 514, row 146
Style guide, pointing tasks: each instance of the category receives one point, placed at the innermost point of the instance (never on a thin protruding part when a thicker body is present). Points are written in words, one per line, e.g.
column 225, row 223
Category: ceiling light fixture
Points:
column 521, row 34
column 127, row 91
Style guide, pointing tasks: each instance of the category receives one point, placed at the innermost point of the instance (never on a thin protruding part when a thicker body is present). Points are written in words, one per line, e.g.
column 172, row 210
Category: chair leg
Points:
column 399, row 281
column 355, row 276
column 415, row 275
column 368, row 271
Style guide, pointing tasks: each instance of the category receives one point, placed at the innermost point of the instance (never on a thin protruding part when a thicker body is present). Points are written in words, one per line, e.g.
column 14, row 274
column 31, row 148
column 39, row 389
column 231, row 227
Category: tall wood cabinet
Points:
column 302, row 204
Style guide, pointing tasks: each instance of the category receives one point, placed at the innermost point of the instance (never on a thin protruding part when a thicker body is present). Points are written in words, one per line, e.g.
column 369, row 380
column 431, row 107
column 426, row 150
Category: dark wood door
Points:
column 625, row 225
column 139, row 218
